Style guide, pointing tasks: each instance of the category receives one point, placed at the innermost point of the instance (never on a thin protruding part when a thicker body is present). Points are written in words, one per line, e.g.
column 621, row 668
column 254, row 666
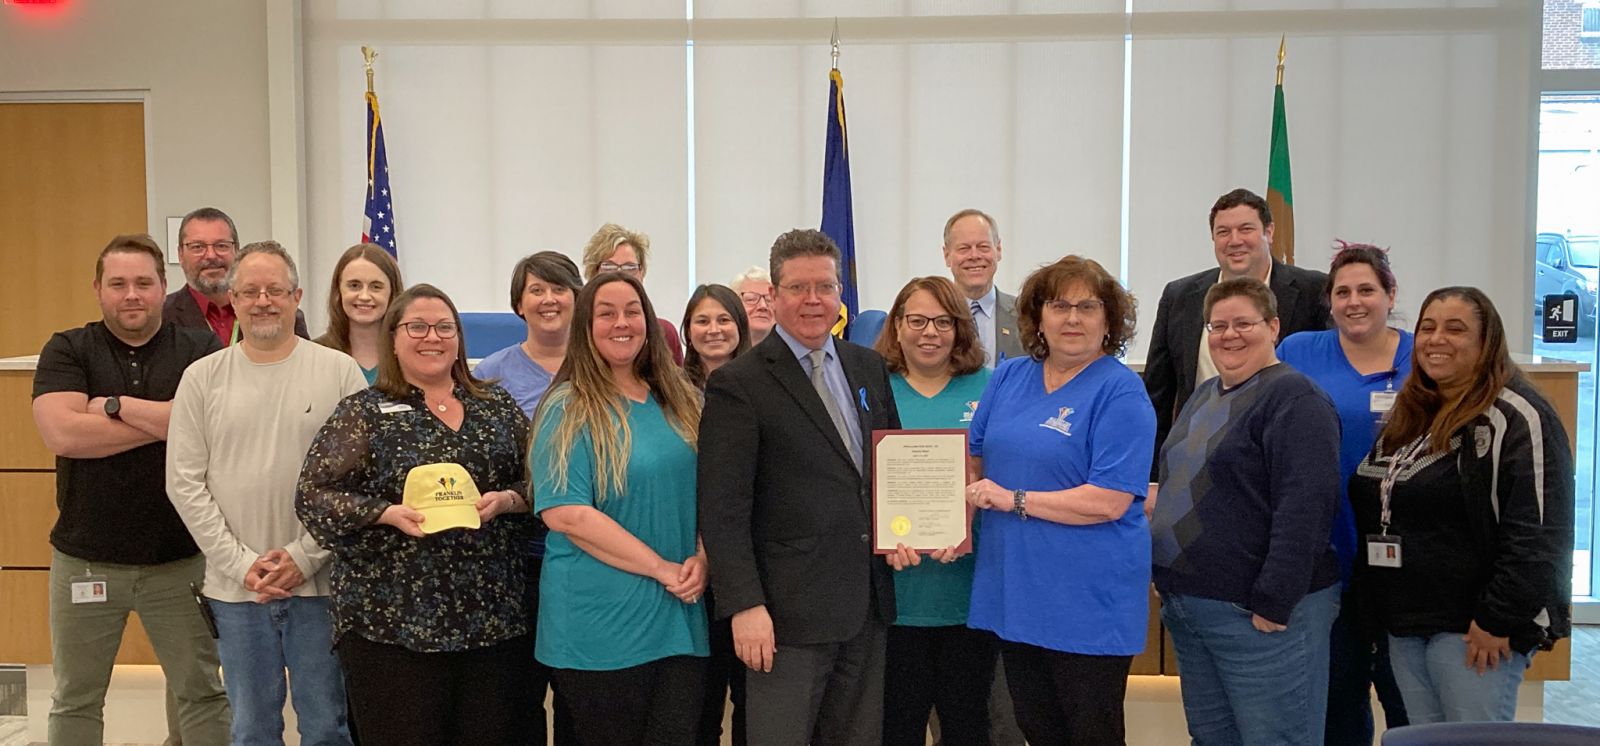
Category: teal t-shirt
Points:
column 933, row 594
column 592, row 616
column 371, row 374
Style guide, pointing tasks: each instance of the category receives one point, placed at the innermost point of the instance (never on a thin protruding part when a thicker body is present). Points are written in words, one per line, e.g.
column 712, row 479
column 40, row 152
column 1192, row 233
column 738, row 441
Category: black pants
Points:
column 948, row 669
column 540, row 680
column 724, row 683
column 400, row 697
column 1358, row 661
column 651, row 703
column 1067, row 699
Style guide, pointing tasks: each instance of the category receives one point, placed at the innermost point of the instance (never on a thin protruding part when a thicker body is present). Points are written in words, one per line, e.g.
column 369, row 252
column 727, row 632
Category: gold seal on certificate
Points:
column 919, row 479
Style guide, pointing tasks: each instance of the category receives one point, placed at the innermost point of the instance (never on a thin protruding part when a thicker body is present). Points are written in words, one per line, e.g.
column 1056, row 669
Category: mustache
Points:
column 212, row 264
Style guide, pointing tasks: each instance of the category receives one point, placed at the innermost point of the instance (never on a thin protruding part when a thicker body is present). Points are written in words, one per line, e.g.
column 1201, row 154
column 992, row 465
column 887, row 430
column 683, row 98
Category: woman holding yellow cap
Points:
column 408, row 485
column 620, row 618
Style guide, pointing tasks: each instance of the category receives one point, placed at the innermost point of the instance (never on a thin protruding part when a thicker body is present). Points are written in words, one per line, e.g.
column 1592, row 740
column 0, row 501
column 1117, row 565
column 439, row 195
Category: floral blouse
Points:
column 455, row 590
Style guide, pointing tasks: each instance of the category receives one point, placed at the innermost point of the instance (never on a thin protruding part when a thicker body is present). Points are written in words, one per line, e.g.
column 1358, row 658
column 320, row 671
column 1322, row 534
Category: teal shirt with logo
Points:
column 934, row 594
column 595, row 617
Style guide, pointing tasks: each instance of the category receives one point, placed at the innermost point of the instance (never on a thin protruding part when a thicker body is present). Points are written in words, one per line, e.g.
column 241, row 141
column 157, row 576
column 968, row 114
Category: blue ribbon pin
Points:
column 862, row 394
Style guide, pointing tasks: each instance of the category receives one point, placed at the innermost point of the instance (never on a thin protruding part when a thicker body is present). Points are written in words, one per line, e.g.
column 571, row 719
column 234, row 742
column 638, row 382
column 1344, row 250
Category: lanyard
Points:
column 1402, row 458
column 233, row 336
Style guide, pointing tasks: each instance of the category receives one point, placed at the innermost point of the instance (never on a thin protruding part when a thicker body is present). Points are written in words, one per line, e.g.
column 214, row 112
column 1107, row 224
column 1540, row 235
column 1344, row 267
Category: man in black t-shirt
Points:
column 101, row 397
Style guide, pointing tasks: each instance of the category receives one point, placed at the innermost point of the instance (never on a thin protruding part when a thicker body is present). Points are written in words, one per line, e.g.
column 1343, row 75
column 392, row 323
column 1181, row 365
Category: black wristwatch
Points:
column 1019, row 504
column 114, row 407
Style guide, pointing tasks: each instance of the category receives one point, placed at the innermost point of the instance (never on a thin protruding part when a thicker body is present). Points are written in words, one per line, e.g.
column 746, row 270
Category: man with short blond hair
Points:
column 972, row 252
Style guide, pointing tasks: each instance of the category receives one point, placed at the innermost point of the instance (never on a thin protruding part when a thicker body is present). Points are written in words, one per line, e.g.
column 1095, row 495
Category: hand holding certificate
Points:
column 917, row 490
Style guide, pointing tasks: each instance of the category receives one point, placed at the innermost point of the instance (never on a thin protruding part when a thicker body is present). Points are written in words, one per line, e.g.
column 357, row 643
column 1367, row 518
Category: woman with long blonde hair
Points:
column 613, row 462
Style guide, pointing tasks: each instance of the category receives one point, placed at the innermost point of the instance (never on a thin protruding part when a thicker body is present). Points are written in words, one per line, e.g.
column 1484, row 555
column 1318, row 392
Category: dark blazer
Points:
column 180, row 308
column 1007, row 338
column 1174, row 351
column 785, row 516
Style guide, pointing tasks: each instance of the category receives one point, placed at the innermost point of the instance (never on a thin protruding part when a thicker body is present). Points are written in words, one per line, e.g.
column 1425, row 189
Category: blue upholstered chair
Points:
column 1492, row 734
column 864, row 330
column 488, row 333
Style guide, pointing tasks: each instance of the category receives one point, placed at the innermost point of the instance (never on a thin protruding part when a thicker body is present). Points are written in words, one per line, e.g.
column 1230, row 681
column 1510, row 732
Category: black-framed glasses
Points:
column 1238, row 325
column 614, row 267
column 419, row 329
column 196, row 248
column 918, row 322
column 1083, row 307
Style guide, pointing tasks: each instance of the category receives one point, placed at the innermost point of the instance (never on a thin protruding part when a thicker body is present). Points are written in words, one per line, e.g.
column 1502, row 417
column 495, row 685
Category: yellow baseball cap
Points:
column 445, row 495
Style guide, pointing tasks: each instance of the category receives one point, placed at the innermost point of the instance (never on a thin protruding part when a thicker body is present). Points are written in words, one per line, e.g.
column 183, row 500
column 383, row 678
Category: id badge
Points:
column 1383, row 550
column 89, row 589
column 1382, row 401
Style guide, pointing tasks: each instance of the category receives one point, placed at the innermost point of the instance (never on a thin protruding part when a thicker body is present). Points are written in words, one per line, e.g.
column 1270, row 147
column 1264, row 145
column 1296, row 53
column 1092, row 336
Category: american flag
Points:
column 377, row 226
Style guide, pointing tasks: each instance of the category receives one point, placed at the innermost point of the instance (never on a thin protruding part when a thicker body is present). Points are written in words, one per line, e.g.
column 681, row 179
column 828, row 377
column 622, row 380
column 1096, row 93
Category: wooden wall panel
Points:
column 27, row 513
column 20, row 446
column 72, row 175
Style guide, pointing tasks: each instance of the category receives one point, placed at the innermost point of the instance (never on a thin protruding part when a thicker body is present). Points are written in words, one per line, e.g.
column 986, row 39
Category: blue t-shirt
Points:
column 1319, row 356
column 518, row 374
column 1077, row 589
column 934, row 594
column 595, row 617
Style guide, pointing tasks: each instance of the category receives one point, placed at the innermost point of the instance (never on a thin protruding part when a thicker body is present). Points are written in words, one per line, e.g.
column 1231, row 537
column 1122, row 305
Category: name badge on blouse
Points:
column 391, row 407
column 1383, row 550
column 1383, row 401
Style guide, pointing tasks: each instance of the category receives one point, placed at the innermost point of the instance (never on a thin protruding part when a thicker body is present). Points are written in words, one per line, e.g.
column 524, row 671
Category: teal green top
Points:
column 592, row 616
column 370, row 373
column 933, row 594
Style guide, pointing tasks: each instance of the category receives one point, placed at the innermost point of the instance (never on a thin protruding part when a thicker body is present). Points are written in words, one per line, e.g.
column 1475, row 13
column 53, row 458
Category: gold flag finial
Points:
column 834, row 41
column 1283, row 46
column 369, row 54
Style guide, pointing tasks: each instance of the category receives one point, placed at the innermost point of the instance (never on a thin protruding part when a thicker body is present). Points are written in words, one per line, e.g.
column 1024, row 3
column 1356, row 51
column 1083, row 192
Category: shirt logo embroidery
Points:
column 972, row 408
column 1059, row 422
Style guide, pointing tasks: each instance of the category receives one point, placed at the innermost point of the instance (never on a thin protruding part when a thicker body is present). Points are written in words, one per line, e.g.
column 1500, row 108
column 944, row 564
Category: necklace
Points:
column 442, row 403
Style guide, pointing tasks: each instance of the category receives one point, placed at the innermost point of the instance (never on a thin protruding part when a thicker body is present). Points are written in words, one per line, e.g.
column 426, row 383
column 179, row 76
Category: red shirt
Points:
column 221, row 318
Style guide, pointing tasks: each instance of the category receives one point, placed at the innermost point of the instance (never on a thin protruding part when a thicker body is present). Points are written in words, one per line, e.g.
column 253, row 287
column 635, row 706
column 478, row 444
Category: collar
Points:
column 205, row 304
column 1221, row 275
column 986, row 303
column 799, row 349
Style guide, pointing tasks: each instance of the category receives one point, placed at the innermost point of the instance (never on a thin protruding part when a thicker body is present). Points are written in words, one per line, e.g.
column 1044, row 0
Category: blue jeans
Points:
column 1438, row 687
column 257, row 644
column 1242, row 687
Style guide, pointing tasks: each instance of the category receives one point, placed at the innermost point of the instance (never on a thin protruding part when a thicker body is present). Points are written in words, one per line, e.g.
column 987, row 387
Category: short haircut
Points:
column 132, row 243
column 1048, row 282
column 1361, row 253
column 755, row 272
column 207, row 214
column 1242, row 197
column 549, row 266
column 950, row 225
column 966, row 352
column 606, row 241
column 802, row 242
column 1250, row 288
column 272, row 248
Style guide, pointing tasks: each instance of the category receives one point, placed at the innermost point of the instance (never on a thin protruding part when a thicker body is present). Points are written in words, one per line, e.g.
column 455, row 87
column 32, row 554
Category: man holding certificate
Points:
column 784, row 483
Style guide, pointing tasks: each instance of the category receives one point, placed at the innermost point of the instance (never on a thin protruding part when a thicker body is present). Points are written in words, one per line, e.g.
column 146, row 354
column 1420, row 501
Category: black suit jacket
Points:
column 180, row 308
column 785, row 516
column 1169, row 367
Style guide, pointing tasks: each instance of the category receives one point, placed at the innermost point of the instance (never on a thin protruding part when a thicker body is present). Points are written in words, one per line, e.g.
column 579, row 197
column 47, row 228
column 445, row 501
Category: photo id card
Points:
column 89, row 589
column 1383, row 550
column 1382, row 401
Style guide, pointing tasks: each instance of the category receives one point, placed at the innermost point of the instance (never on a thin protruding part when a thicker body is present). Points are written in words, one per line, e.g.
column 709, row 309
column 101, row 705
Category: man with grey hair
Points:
column 972, row 252
column 242, row 422
column 207, row 243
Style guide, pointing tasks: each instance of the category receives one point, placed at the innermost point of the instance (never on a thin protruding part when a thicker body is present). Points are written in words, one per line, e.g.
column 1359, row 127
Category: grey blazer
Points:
column 1007, row 338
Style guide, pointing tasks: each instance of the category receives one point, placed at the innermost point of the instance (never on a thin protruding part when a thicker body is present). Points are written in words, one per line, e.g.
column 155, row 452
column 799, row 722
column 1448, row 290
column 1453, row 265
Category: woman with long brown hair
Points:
column 364, row 280
column 1465, row 508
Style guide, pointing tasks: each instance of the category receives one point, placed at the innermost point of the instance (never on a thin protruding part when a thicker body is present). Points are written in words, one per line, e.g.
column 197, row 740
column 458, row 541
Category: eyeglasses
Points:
column 1083, row 307
column 419, row 330
column 1239, row 326
column 918, row 322
column 755, row 299
column 196, row 248
column 822, row 289
column 614, row 267
column 272, row 293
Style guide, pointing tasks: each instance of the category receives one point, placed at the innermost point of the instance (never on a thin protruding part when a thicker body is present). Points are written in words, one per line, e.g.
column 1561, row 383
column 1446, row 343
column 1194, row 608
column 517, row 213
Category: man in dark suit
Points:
column 1241, row 235
column 207, row 242
column 972, row 252
column 785, row 482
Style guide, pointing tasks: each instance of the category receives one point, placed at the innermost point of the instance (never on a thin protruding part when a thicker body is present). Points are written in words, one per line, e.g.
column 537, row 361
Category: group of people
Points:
column 664, row 518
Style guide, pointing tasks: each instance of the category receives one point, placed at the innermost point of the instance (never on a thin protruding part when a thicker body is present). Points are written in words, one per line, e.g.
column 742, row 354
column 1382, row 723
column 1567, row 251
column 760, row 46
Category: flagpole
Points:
column 369, row 54
column 1283, row 48
column 834, row 41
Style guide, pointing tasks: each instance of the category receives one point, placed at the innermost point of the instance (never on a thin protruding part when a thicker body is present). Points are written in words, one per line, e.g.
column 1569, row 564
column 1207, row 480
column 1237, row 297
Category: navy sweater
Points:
column 1249, row 490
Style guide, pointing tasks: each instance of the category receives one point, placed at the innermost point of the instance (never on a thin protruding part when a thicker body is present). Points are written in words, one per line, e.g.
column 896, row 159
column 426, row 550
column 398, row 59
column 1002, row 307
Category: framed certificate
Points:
column 919, row 481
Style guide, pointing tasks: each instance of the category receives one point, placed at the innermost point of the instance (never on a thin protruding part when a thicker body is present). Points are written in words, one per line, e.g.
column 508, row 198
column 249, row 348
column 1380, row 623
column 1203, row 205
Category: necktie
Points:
column 976, row 309
column 851, row 441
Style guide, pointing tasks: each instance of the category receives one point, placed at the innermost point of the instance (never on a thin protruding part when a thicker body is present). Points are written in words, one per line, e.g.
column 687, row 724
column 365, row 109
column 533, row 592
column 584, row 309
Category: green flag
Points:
column 1280, row 194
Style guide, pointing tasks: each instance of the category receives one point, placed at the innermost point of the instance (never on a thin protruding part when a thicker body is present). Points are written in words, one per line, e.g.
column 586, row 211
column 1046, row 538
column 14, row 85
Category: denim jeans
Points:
column 1242, row 687
column 258, row 644
column 1438, row 687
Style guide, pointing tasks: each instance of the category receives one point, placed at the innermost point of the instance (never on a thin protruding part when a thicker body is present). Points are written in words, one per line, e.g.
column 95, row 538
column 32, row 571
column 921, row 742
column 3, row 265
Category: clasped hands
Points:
column 273, row 575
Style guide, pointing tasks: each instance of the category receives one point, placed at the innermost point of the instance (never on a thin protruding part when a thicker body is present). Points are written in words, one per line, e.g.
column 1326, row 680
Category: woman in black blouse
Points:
column 431, row 628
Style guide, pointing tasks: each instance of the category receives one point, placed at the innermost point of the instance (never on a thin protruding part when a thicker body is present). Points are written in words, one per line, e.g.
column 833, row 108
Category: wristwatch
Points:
column 1019, row 504
column 114, row 407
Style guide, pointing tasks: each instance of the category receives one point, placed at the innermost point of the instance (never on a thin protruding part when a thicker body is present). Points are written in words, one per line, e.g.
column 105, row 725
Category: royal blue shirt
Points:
column 1077, row 589
column 1319, row 356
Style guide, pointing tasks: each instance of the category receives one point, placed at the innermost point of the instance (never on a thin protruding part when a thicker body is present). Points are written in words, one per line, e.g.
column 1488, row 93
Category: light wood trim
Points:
column 1148, row 663
column 20, row 446
column 25, row 617
column 27, row 513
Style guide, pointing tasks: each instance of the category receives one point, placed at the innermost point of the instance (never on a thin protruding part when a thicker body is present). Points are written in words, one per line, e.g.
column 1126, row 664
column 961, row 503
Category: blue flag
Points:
column 838, row 218
column 377, row 226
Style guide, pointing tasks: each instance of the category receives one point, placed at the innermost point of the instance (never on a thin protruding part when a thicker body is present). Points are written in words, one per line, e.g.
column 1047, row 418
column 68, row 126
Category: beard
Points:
column 265, row 328
column 208, row 286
